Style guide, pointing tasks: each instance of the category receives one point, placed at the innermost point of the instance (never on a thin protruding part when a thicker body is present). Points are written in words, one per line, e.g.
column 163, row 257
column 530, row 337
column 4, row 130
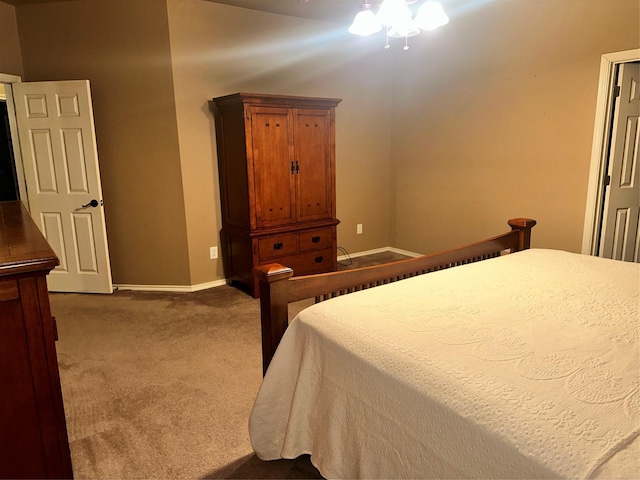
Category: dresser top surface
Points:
column 22, row 247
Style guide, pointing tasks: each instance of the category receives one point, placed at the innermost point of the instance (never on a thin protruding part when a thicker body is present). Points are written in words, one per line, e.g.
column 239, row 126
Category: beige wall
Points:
column 218, row 50
column 498, row 119
column 488, row 118
column 10, row 55
column 122, row 47
column 154, row 66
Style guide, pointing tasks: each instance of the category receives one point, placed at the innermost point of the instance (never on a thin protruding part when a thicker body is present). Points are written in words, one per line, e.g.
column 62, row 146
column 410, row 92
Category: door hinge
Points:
column 607, row 180
column 246, row 114
column 616, row 91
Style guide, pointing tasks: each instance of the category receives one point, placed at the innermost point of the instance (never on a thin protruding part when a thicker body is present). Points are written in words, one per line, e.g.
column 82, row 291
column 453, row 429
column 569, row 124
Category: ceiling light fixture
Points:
column 397, row 18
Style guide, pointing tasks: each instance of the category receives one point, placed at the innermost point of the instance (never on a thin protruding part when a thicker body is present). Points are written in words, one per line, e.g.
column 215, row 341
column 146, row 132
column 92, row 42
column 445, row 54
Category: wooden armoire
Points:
column 276, row 161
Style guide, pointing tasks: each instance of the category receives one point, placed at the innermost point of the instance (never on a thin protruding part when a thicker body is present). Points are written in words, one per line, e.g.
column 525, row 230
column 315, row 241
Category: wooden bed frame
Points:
column 279, row 288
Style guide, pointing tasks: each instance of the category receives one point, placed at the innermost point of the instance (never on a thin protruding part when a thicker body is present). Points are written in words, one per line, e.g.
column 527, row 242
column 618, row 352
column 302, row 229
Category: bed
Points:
column 523, row 365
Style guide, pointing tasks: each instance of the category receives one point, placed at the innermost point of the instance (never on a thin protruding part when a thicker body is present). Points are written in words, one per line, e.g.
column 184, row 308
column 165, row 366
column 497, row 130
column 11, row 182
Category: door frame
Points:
column 7, row 80
column 599, row 153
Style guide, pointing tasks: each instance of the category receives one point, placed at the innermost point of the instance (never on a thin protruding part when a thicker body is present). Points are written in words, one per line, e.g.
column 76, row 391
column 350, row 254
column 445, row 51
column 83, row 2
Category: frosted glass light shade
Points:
column 398, row 19
column 404, row 29
column 365, row 23
column 431, row 16
column 393, row 11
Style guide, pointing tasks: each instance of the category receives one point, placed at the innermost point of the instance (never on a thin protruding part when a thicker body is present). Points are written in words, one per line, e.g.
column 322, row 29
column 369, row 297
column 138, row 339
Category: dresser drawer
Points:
column 277, row 246
column 9, row 290
column 306, row 263
column 315, row 239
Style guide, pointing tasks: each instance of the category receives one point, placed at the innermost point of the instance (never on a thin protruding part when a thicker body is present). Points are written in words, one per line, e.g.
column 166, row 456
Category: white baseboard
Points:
column 405, row 252
column 171, row 288
column 218, row 283
column 379, row 250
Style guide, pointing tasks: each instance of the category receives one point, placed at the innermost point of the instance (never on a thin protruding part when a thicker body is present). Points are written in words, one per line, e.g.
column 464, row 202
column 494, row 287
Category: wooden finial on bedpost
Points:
column 523, row 226
column 274, row 307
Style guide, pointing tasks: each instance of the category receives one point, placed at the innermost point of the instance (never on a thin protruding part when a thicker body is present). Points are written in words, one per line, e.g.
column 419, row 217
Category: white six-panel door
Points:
column 60, row 158
column 621, row 213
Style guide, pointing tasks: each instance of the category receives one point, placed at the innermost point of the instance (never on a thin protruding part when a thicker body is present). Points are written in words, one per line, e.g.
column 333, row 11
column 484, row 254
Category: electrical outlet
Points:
column 213, row 253
column 359, row 228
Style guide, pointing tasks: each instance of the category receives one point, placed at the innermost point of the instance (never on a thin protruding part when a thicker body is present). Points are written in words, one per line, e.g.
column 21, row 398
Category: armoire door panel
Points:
column 273, row 178
column 234, row 181
column 314, row 185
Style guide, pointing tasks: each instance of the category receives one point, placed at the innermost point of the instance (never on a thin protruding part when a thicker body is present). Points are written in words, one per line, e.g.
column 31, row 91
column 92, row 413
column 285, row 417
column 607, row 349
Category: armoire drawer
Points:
column 305, row 263
column 315, row 239
column 277, row 246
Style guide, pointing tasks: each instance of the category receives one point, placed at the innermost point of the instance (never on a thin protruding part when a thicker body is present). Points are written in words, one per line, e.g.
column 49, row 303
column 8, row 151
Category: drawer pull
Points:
column 319, row 259
column 315, row 239
column 278, row 246
column 54, row 324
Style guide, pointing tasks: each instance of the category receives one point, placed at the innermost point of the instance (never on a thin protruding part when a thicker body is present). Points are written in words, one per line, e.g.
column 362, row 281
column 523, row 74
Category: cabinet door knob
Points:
column 315, row 239
column 278, row 246
column 319, row 259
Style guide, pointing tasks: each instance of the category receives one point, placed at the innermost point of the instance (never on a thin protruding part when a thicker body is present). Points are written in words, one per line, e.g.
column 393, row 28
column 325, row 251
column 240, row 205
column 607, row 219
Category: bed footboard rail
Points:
column 278, row 287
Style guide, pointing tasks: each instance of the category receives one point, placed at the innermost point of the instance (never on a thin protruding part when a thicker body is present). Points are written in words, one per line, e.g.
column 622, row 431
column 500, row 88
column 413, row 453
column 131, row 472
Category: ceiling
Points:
column 338, row 11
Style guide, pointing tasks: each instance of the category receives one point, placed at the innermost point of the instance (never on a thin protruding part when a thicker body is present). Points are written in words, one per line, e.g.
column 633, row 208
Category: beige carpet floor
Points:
column 160, row 385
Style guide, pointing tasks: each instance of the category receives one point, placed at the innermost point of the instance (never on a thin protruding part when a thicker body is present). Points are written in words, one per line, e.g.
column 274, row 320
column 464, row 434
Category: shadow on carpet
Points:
column 252, row 467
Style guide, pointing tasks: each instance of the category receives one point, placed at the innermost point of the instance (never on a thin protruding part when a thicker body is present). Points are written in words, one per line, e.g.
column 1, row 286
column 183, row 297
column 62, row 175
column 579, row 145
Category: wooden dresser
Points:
column 276, row 161
column 33, row 433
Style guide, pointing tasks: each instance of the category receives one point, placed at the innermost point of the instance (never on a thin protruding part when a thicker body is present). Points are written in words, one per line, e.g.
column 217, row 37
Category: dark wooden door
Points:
column 314, row 183
column 273, row 166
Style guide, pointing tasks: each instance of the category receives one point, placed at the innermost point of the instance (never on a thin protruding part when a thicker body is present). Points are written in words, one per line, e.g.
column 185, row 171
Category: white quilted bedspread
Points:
column 524, row 366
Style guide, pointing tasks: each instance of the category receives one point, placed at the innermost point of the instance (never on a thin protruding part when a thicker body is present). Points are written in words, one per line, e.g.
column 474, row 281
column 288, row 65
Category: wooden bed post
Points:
column 274, row 307
column 523, row 226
